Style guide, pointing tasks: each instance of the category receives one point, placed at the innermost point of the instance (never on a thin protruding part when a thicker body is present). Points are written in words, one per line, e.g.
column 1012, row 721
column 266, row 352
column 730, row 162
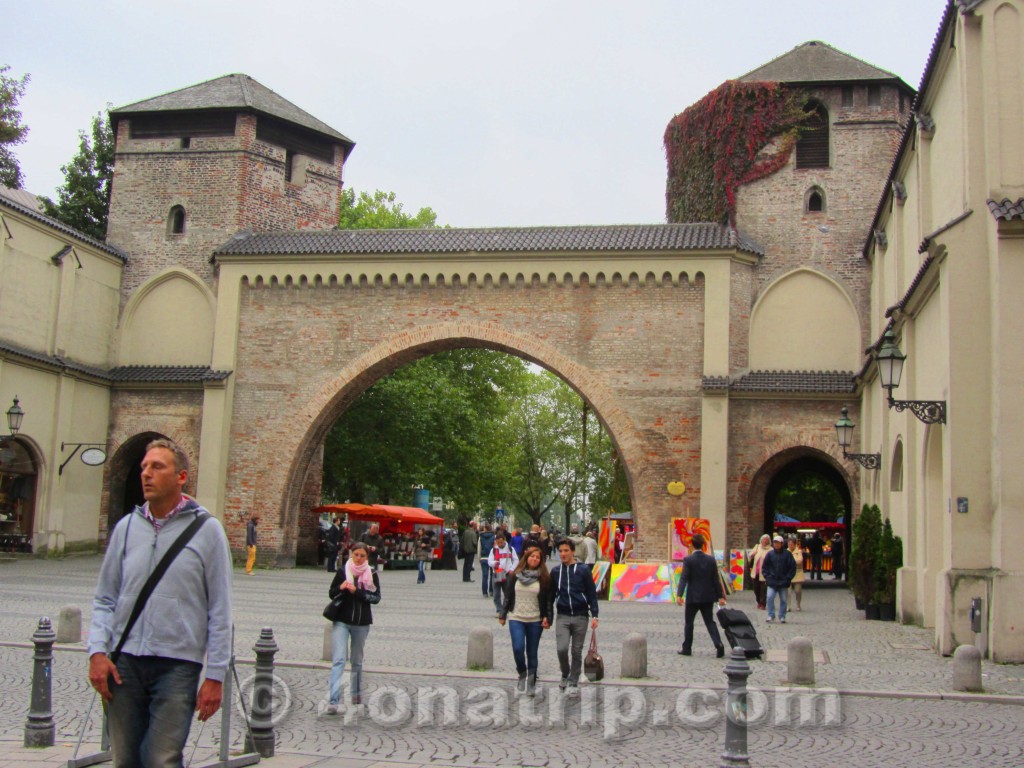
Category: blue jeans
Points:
column 499, row 595
column 340, row 637
column 772, row 592
column 485, row 576
column 525, row 642
column 422, row 566
column 151, row 711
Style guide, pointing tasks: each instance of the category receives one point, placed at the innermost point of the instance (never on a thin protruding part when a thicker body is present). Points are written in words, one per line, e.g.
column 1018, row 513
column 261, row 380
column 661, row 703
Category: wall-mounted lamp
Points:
column 890, row 369
column 844, row 434
column 15, row 414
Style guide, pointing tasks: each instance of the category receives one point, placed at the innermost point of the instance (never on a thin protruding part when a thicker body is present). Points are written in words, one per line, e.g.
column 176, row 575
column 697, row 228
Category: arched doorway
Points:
column 126, row 477
column 18, row 472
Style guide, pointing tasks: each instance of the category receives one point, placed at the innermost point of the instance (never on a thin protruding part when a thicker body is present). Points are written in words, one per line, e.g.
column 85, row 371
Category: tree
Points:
column 12, row 132
column 83, row 201
column 380, row 211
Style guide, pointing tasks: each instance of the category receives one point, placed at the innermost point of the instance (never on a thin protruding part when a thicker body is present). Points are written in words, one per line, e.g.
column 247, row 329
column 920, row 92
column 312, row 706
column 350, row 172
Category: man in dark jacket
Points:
column 699, row 587
column 574, row 594
column 484, row 545
column 332, row 545
column 837, row 556
column 778, row 570
column 816, row 546
column 470, row 539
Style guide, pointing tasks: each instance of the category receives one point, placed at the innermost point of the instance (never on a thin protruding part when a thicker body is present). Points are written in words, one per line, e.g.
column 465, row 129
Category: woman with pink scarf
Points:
column 354, row 589
column 756, row 558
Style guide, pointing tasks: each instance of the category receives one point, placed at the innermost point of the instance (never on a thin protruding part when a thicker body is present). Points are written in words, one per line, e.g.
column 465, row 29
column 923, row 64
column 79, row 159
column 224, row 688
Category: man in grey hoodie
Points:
column 151, row 689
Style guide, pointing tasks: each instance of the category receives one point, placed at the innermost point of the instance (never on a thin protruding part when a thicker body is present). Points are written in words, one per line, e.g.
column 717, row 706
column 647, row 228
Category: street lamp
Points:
column 844, row 434
column 890, row 369
column 14, row 416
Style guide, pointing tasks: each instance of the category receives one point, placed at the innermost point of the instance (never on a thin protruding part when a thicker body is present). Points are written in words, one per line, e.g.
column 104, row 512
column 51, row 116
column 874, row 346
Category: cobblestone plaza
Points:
column 882, row 696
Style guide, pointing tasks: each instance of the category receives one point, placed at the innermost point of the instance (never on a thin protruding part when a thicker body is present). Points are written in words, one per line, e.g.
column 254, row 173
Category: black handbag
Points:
column 333, row 608
column 593, row 663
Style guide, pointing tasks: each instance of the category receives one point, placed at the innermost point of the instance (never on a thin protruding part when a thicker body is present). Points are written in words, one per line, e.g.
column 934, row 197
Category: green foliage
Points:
column 726, row 140
column 380, row 211
column 12, row 131
column 889, row 560
column 83, row 201
column 809, row 497
column 866, row 554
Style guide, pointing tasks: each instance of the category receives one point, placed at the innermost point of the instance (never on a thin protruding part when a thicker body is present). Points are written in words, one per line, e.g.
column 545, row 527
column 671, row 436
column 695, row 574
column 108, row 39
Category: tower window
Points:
column 186, row 142
column 176, row 221
column 847, row 95
column 814, row 202
column 289, row 162
column 812, row 148
column 874, row 95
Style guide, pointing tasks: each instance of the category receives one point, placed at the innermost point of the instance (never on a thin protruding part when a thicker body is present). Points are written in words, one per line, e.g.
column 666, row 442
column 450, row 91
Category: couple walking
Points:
column 530, row 596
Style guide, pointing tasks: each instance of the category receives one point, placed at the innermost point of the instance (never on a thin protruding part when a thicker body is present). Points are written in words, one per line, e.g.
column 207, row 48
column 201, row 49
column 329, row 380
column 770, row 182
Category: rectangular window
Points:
column 874, row 95
column 847, row 95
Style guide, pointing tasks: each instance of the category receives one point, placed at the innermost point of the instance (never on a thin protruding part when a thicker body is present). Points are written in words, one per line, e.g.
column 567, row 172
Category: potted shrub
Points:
column 889, row 561
column 867, row 531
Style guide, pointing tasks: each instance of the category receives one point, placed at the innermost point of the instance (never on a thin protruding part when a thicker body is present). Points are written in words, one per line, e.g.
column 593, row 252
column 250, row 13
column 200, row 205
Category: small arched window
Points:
column 176, row 221
column 812, row 148
column 896, row 474
column 814, row 200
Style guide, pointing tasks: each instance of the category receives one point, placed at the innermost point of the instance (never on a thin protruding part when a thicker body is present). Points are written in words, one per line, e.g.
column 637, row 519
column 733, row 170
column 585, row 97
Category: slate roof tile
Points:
column 1007, row 210
column 795, row 382
column 12, row 201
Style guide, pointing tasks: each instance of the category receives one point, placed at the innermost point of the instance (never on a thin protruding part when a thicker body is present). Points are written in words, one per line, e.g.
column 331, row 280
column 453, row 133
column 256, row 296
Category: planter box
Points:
column 861, row 605
column 887, row 612
column 871, row 613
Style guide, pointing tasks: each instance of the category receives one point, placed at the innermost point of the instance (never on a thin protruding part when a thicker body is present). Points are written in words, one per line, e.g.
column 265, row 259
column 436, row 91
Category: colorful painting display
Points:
column 606, row 540
column 599, row 571
column 641, row 582
column 680, row 536
column 736, row 561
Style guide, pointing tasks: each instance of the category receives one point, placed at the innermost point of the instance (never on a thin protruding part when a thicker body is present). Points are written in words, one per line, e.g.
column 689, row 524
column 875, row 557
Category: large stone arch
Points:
column 313, row 419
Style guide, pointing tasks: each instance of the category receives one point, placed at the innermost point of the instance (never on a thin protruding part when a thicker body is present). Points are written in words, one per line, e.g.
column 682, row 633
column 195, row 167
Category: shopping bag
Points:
column 593, row 664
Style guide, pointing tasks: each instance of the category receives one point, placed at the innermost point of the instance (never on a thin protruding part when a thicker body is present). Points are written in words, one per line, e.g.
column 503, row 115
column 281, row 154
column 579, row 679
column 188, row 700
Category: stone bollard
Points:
column 480, row 652
column 737, row 670
column 261, row 736
column 39, row 728
column 800, row 658
column 967, row 669
column 69, row 625
column 634, row 655
column 328, row 651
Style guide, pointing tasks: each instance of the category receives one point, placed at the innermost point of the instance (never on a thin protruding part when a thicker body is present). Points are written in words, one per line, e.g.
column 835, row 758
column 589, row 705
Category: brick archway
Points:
column 323, row 409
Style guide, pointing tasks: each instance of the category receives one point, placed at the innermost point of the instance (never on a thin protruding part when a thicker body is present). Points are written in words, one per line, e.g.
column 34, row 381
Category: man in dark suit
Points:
column 699, row 587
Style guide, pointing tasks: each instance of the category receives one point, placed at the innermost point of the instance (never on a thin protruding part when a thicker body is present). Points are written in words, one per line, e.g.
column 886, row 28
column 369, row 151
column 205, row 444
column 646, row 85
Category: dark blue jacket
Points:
column 779, row 568
column 573, row 590
column 486, row 542
column 700, row 581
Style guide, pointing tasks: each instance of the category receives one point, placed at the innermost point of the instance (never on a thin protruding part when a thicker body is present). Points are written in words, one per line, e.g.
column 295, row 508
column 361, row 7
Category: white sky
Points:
column 492, row 113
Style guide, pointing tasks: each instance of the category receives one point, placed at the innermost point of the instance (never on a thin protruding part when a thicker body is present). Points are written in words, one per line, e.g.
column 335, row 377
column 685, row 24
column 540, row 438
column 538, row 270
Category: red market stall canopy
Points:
column 811, row 526
column 413, row 515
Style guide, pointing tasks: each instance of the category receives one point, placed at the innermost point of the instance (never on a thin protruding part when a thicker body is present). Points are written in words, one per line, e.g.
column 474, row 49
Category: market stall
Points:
column 400, row 528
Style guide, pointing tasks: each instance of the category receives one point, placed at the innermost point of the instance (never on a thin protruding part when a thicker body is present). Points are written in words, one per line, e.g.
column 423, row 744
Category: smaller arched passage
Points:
column 19, row 470
column 124, row 473
column 781, row 469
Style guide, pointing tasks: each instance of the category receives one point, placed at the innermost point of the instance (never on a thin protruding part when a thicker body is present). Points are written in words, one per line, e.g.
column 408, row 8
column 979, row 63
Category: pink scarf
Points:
column 360, row 575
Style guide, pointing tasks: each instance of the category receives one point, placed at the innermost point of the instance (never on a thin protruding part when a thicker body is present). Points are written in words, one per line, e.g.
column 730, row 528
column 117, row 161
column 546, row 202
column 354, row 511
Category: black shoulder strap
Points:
column 155, row 576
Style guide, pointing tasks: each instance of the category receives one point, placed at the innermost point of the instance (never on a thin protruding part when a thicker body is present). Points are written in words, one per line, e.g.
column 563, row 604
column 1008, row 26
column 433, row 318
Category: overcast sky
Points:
column 492, row 113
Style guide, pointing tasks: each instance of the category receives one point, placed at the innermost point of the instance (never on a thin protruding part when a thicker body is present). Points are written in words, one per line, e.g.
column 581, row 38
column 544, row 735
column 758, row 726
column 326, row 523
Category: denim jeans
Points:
column 340, row 651
column 772, row 592
column 151, row 711
column 422, row 566
column 485, row 576
column 499, row 595
column 525, row 642
column 570, row 629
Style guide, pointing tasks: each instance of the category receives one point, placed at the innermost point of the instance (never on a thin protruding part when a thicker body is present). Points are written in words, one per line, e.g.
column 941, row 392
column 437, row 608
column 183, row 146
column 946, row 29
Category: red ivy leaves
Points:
column 722, row 142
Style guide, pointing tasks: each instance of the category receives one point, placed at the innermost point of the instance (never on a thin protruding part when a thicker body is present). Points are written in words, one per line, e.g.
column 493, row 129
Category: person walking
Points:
column 590, row 547
column 485, row 543
column 756, row 557
column 470, row 538
column 797, row 585
column 374, row 543
column 332, row 544
column 838, row 547
column 502, row 560
column 148, row 672
column 526, row 606
column 816, row 546
column 424, row 554
column 574, row 595
column 516, row 542
column 354, row 589
column 778, row 570
column 700, row 585
column 250, row 543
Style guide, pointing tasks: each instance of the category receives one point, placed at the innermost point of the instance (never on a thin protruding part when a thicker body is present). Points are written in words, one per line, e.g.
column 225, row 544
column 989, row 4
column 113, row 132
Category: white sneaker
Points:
column 572, row 690
column 328, row 709
column 769, row 620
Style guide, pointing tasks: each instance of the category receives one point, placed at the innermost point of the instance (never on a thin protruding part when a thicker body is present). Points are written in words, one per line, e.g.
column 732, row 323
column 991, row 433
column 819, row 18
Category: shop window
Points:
column 17, row 497
column 812, row 148
column 176, row 221
column 814, row 201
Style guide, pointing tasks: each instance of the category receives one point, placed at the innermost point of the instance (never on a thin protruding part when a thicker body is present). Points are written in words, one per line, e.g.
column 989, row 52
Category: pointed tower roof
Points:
column 816, row 62
column 237, row 92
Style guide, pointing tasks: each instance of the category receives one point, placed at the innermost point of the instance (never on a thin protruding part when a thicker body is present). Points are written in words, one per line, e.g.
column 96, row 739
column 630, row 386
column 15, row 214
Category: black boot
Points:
column 531, row 684
column 521, row 684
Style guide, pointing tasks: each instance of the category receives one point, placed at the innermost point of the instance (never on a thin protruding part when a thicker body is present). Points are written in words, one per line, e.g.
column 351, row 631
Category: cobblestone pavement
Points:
column 415, row 667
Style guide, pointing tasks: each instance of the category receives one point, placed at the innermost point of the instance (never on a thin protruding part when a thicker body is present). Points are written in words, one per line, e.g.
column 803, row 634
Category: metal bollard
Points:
column 39, row 728
column 261, row 738
column 737, row 670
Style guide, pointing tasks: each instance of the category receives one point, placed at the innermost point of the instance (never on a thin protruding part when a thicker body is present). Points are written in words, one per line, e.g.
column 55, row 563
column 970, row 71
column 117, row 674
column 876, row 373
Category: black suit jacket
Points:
column 700, row 580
